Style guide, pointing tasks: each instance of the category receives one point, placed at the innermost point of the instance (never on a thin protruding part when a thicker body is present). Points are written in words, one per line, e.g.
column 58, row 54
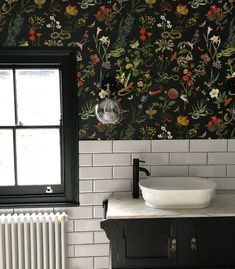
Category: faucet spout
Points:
column 146, row 171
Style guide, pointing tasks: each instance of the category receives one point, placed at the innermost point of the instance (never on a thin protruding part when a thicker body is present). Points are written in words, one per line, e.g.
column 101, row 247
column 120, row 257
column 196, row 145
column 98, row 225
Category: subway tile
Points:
column 131, row 146
column 85, row 186
column 95, row 172
column 112, row 185
column 100, row 237
column 80, row 263
column 126, row 193
column 230, row 183
column 70, row 251
column 207, row 171
column 91, row 250
column 170, row 145
column 169, row 171
column 87, row 225
column 85, row 159
column 98, row 212
column 230, row 170
column 127, row 171
column 152, row 158
column 208, row 145
column 93, row 198
column 96, row 146
column 122, row 172
column 80, row 212
column 69, row 226
column 111, row 159
column 224, row 183
column 231, row 145
column 188, row 158
column 79, row 238
column 221, row 158
column 101, row 263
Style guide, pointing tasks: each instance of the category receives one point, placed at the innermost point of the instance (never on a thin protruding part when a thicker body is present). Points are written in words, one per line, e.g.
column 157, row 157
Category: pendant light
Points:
column 108, row 111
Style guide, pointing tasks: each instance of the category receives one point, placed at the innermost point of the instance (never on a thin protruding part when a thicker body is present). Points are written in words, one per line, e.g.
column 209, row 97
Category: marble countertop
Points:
column 125, row 207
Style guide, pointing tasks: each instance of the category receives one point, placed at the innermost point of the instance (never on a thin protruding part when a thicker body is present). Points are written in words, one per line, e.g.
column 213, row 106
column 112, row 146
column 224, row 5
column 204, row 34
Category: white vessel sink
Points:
column 177, row 192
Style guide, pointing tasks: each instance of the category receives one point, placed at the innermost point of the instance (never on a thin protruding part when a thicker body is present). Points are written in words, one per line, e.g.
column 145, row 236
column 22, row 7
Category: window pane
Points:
column 7, row 113
column 38, row 156
column 38, row 96
column 7, row 176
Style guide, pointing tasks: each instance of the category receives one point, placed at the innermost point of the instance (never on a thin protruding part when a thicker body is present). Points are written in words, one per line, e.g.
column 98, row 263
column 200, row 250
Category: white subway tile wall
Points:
column 105, row 168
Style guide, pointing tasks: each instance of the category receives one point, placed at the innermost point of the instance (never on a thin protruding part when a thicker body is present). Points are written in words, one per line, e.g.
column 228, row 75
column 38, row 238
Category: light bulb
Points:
column 107, row 111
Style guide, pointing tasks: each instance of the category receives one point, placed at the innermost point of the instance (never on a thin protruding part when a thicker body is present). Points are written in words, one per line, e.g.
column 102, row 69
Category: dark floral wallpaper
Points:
column 171, row 60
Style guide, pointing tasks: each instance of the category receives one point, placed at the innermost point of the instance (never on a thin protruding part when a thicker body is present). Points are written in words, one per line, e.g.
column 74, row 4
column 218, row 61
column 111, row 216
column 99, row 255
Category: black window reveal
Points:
column 38, row 127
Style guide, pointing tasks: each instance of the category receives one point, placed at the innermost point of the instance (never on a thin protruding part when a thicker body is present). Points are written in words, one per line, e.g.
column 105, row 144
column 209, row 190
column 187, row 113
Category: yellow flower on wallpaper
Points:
column 151, row 112
column 183, row 120
column 182, row 9
column 150, row 2
column 40, row 2
column 71, row 10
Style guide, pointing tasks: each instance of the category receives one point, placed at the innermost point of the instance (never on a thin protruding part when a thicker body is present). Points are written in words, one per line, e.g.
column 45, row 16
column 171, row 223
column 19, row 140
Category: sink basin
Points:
column 177, row 192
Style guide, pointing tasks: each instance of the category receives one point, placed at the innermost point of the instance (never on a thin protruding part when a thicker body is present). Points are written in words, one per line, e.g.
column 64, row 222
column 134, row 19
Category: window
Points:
column 38, row 127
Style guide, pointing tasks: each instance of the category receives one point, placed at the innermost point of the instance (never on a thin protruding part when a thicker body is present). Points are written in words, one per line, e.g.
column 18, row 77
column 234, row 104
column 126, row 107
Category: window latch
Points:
column 49, row 189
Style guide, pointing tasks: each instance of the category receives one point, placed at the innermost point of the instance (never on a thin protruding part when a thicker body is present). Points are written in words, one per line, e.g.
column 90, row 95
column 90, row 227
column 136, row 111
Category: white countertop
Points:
column 125, row 207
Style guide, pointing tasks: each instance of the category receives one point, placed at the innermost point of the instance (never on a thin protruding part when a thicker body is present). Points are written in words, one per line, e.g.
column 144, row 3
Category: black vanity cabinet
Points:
column 212, row 242
column 142, row 243
column 172, row 243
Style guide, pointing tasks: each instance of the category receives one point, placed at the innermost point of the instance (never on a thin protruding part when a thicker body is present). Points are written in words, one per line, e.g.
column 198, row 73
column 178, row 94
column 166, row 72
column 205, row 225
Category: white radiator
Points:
column 32, row 241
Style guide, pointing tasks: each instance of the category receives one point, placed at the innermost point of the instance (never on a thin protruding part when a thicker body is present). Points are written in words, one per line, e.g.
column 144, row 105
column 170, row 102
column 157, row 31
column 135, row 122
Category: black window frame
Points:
column 68, row 192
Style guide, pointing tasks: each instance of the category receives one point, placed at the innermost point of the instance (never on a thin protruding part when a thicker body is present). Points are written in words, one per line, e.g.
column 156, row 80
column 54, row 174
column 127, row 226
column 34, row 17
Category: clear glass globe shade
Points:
column 107, row 111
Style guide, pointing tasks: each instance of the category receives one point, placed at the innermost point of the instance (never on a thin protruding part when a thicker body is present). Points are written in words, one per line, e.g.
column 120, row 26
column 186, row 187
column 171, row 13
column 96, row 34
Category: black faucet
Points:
column 136, row 177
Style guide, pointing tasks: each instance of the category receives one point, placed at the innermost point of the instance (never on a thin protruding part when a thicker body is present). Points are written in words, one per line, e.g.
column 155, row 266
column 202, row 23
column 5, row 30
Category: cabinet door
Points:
column 146, row 243
column 213, row 242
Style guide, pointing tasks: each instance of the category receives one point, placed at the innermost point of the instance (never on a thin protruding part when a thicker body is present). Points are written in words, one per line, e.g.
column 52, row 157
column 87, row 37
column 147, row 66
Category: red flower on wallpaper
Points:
column 95, row 58
column 32, row 38
column 173, row 93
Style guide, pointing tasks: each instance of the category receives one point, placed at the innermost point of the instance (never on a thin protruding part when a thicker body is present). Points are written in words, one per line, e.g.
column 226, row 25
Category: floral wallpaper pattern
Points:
column 171, row 60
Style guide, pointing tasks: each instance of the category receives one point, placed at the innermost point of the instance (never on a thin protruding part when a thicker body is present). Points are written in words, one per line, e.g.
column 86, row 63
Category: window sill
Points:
column 38, row 205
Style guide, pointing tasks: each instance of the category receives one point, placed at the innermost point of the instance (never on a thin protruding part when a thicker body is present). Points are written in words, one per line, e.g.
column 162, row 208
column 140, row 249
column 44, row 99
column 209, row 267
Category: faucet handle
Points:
column 136, row 160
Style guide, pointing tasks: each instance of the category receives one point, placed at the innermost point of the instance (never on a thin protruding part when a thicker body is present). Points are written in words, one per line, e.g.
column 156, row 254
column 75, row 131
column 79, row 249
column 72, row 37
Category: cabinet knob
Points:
column 173, row 245
column 193, row 243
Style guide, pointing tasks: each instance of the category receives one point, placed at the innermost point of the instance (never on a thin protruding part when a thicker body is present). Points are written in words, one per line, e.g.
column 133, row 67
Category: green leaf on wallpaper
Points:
column 183, row 51
column 129, row 66
column 171, row 103
column 218, row 101
column 226, row 53
column 162, row 98
column 181, row 44
column 185, row 65
column 137, row 62
column 155, row 104
column 224, row 95
column 135, row 72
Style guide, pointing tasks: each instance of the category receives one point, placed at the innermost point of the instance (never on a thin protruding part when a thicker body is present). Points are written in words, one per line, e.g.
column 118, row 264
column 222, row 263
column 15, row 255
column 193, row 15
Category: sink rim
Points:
column 206, row 184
